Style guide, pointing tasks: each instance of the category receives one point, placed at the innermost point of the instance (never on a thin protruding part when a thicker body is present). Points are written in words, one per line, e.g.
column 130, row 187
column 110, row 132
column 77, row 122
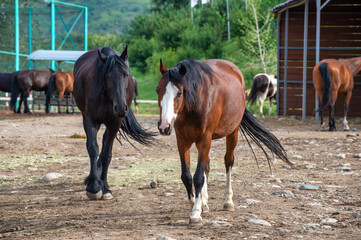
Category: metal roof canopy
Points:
column 60, row 55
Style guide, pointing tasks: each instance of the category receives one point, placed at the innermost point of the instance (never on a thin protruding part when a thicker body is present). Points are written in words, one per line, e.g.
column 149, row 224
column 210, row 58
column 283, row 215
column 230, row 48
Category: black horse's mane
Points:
column 113, row 59
column 191, row 80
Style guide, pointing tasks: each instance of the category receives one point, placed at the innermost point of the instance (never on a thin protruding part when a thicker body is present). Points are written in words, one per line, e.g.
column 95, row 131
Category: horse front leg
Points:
column 106, row 157
column 200, row 179
column 231, row 143
column 346, row 105
column 184, row 154
column 93, row 183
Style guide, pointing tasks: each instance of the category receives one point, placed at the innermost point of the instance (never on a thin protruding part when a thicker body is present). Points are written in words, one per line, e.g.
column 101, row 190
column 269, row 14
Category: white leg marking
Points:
column 197, row 210
column 323, row 126
column 167, row 104
column 260, row 103
column 205, row 195
column 345, row 124
column 228, row 202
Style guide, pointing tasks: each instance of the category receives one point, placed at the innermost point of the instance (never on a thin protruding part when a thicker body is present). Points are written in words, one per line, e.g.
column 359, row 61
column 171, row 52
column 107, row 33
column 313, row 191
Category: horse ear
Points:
column 182, row 70
column 102, row 56
column 51, row 70
column 124, row 55
column 162, row 68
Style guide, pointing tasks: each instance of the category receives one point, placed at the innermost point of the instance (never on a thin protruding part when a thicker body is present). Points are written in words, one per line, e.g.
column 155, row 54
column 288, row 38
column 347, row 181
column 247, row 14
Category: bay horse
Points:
column 63, row 82
column 8, row 83
column 330, row 78
column 103, row 91
column 264, row 86
column 28, row 80
column 205, row 100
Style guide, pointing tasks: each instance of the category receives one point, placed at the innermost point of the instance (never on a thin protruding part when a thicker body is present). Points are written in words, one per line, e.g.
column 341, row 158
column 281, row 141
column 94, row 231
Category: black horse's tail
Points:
column 132, row 129
column 326, row 77
column 253, row 94
column 15, row 89
column 252, row 127
column 49, row 90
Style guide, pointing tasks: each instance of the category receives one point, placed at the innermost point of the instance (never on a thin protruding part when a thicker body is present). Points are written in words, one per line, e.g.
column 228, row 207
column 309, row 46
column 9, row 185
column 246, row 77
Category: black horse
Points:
column 8, row 83
column 28, row 80
column 103, row 91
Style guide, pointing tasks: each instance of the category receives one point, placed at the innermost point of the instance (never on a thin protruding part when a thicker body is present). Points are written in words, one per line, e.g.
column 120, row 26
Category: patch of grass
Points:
column 78, row 136
column 12, row 161
column 167, row 171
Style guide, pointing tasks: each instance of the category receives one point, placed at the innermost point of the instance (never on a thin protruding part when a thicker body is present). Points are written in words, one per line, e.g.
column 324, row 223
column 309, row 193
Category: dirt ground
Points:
column 32, row 146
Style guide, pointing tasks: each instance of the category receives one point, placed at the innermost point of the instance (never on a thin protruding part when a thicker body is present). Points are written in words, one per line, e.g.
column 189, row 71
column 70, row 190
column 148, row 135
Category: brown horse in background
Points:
column 64, row 82
column 331, row 77
column 28, row 80
column 206, row 100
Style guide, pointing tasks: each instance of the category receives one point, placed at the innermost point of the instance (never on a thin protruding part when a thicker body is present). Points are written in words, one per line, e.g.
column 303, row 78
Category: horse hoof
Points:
column 107, row 196
column 94, row 196
column 195, row 220
column 228, row 207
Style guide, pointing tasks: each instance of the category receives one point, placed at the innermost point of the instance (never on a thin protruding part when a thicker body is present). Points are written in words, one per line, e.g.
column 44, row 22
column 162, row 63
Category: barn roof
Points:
column 49, row 55
column 288, row 4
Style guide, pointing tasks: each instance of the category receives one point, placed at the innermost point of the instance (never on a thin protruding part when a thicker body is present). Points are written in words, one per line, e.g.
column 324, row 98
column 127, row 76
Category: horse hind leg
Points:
column 346, row 108
column 331, row 120
column 231, row 143
column 270, row 107
column 260, row 104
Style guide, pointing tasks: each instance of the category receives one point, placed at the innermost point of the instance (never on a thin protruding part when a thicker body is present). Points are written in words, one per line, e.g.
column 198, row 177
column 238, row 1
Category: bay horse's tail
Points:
column 326, row 78
column 49, row 90
column 14, row 92
column 252, row 97
column 132, row 129
column 252, row 127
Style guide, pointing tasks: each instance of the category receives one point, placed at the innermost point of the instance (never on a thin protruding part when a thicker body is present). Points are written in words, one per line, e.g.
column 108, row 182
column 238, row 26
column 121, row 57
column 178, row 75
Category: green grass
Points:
column 146, row 85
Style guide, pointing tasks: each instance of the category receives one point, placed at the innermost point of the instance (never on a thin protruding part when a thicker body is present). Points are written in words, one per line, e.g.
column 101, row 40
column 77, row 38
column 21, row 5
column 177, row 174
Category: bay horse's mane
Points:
column 190, row 81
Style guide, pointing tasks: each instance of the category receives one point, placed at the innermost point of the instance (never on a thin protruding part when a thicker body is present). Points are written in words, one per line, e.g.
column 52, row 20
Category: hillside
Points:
column 111, row 16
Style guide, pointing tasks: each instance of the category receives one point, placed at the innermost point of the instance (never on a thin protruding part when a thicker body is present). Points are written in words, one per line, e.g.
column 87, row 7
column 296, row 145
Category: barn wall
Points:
column 340, row 30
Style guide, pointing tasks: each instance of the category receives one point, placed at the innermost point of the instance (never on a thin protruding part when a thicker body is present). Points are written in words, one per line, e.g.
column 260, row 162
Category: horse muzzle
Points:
column 164, row 129
column 120, row 111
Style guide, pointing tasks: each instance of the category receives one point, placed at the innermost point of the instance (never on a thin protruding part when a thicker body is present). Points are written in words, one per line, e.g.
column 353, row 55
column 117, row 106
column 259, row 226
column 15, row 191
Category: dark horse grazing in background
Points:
column 103, row 91
column 206, row 100
column 264, row 86
column 28, row 80
column 8, row 83
column 63, row 82
column 331, row 77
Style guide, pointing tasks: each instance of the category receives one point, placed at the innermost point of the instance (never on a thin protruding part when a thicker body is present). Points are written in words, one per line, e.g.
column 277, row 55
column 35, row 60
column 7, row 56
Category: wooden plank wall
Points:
column 341, row 29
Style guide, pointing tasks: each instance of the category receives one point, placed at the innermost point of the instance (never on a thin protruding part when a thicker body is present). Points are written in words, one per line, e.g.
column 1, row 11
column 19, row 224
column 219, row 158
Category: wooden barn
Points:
column 309, row 31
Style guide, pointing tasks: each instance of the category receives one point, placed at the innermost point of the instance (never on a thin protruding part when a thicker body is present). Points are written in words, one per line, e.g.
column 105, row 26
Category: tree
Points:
column 258, row 38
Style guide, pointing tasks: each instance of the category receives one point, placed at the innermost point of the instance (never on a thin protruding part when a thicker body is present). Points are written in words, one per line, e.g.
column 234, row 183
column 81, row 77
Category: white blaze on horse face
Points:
column 167, row 104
